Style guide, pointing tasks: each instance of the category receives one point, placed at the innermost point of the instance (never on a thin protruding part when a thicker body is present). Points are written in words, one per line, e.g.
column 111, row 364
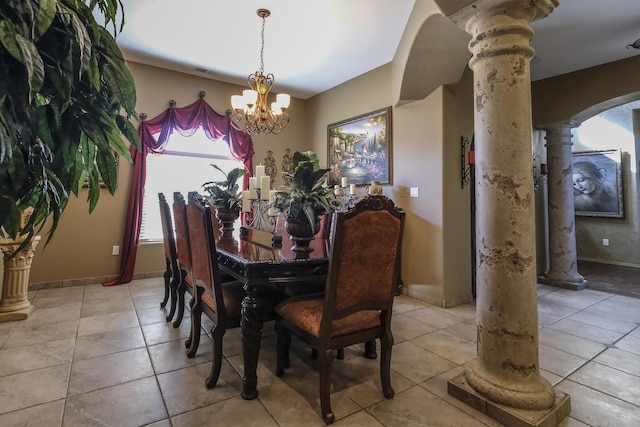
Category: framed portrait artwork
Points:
column 597, row 183
column 359, row 149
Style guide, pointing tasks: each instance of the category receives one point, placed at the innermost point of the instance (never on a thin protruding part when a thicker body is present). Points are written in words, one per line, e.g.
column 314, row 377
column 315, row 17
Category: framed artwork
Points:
column 359, row 149
column 597, row 183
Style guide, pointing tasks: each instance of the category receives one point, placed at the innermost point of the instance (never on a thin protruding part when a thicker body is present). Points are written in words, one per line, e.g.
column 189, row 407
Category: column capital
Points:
column 559, row 133
column 536, row 9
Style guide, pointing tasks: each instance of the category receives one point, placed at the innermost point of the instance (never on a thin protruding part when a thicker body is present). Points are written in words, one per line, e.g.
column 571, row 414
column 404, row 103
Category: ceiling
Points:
column 311, row 47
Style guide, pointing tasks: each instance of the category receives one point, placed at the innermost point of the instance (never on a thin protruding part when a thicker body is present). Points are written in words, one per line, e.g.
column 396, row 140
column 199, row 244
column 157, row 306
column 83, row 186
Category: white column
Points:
column 506, row 370
column 563, row 266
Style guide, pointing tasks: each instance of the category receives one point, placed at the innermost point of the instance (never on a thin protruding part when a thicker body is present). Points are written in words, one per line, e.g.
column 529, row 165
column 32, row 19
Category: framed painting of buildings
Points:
column 597, row 183
column 359, row 149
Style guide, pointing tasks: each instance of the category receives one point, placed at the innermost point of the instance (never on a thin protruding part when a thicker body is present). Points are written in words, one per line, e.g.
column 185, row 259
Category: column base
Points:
column 574, row 285
column 459, row 388
column 20, row 314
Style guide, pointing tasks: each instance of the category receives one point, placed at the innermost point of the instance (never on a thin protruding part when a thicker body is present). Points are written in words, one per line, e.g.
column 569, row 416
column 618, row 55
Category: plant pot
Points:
column 301, row 233
column 227, row 218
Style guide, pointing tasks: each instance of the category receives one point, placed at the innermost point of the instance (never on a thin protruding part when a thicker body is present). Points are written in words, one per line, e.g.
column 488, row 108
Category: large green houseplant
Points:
column 225, row 195
column 66, row 97
column 308, row 195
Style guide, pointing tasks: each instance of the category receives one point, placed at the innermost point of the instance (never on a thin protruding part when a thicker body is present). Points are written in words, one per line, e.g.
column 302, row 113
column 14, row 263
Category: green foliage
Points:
column 308, row 195
column 66, row 96
column 225, row 194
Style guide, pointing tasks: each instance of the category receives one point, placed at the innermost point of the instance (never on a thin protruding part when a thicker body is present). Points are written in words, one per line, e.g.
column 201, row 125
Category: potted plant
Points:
column 67, row 96
column 305, row 199
column 225, row 195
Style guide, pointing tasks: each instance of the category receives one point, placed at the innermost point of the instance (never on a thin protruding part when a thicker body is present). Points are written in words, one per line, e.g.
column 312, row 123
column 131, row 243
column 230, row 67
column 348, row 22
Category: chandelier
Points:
column 252, row 106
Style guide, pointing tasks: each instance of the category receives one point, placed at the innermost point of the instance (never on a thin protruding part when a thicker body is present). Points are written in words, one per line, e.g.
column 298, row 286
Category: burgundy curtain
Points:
column 186, row 121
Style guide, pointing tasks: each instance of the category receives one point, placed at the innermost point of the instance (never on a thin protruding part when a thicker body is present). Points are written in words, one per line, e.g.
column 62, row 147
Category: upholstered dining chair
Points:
column 184, row 257
column 172, row 272
column 358, row 298
column 220, row 301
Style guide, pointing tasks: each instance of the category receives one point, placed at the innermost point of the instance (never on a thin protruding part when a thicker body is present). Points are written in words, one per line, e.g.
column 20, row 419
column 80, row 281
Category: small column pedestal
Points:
column 14, row 304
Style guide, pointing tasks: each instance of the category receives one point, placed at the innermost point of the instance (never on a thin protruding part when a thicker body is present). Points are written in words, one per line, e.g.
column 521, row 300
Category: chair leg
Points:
column 196, row 323
column 340, row 355
column 283, row 345
column 370, row 350
column 173, row 288
column 326, row 358
column 181, row 290
column 192, row 303
column 217, row 333
column 167, row 281
column 386, row 342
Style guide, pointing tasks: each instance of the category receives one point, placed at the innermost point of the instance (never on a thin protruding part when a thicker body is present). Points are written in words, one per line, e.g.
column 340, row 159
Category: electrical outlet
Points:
column 413, row 192
column 605, row 242
column 115, row 250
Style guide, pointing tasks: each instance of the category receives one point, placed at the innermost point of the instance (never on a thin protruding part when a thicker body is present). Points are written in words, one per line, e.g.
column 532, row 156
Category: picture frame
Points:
column 597, row 183
column 360, row 149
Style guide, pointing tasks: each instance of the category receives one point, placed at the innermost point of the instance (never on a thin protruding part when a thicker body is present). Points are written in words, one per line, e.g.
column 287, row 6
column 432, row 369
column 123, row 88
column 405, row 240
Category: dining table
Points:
column 258, row 266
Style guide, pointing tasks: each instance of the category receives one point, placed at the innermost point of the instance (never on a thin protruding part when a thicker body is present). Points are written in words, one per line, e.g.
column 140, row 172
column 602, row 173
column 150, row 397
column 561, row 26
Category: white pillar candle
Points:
column 252, row 182
column 272, row 198
column 259, row 171
column 336, row 190
column 265, row 186
column 344, row 182
column 246, row 201
column 352, row 189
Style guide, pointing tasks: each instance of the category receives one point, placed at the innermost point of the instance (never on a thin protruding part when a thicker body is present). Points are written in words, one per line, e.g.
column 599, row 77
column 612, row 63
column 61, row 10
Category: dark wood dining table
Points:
column 259, row 266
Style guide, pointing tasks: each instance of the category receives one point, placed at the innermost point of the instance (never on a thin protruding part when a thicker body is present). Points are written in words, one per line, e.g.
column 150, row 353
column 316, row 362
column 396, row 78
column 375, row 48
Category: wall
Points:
column 425, row 154
column 579, row 96
column 81, row 247
column 612, row 129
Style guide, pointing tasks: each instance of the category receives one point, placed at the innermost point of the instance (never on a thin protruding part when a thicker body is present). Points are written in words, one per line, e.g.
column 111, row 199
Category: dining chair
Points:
column 172, row 272
column 218, row 300
column 184, row 257
column 358, row 298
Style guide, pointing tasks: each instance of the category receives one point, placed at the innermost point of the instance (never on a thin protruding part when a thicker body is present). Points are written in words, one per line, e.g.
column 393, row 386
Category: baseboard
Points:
column 88, row 281
column 419, row 292
column 604, row 261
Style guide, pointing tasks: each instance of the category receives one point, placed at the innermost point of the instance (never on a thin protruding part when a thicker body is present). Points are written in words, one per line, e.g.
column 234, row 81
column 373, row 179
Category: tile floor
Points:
column 94, row 356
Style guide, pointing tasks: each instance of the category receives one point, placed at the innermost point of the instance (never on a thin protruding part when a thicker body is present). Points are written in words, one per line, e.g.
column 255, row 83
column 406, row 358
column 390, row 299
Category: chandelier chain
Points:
column 262, row 48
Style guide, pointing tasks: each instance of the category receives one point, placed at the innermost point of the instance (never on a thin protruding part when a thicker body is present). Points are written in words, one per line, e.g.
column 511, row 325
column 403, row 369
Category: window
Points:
column 184, row 166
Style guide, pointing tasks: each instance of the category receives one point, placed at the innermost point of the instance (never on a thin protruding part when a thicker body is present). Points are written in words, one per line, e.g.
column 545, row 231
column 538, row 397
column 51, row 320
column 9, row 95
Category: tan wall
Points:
column 579, row 96
column 435, row 267
column 81, row 247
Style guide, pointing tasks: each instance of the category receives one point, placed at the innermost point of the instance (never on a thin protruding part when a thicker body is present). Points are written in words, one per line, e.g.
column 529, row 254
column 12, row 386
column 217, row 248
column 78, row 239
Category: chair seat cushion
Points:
column 307, row 315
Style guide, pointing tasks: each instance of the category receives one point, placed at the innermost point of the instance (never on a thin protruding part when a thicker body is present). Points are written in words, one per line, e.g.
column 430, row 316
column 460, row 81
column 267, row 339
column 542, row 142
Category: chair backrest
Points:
column 168, row 232
column 205, row 271
column 182, row 237
column 364, row 264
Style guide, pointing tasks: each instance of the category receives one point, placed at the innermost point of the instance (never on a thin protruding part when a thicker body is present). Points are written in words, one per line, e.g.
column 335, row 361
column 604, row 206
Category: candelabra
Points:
column 260, row 218
column 346, row 199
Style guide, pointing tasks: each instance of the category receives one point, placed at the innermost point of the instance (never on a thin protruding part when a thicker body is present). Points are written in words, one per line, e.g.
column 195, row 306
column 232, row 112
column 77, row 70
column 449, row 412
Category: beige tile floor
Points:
column 94, row 356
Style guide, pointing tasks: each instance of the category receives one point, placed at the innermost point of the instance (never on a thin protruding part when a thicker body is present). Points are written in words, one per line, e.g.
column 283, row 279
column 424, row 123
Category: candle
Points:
column 252, row 182
column 543, row 168
column 336, row 190
column 246, row 202
column 272, row 199
column 259, row 171
column 344, row 182
column 352, row 189
column 265, row 185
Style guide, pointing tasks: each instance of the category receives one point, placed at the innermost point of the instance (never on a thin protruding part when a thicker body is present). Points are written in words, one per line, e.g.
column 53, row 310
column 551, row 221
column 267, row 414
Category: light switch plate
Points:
column 413, row 192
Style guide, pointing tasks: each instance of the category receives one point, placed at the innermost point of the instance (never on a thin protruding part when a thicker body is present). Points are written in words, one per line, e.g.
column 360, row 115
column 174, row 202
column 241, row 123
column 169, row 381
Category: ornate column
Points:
column 563, row 266
column 14, row 304
column 506, row 370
